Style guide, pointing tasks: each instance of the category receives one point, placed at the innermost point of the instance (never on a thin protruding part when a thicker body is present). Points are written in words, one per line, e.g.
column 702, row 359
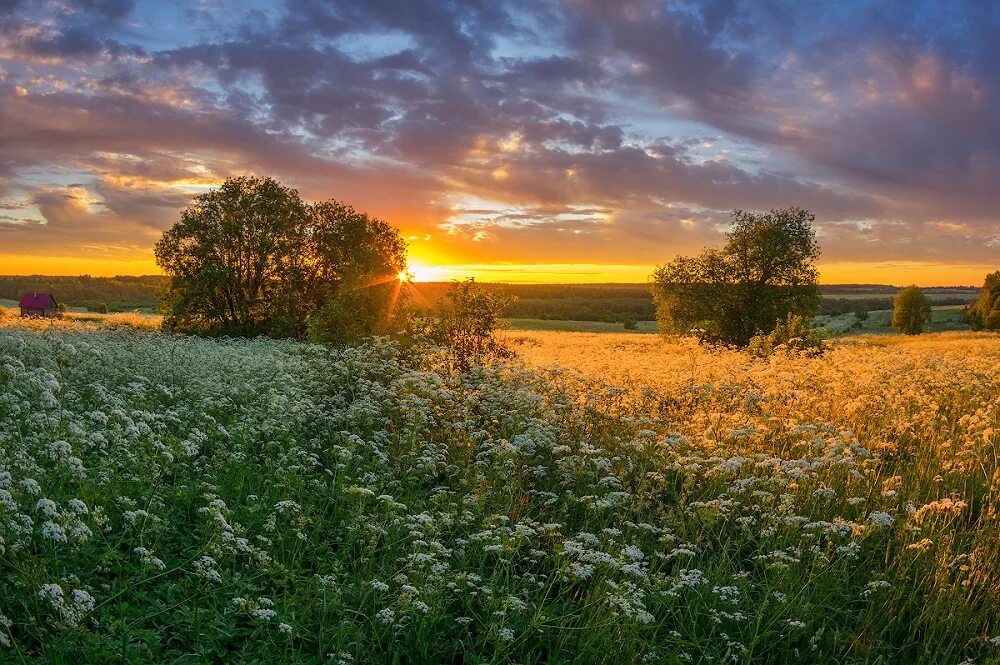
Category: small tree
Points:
column 984, row 314
column 468, row 320
column 911, row 311
column 765, row 272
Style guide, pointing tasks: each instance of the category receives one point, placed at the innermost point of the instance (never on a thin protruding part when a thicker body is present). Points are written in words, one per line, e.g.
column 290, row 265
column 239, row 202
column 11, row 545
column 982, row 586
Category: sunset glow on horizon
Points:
column 547, row 142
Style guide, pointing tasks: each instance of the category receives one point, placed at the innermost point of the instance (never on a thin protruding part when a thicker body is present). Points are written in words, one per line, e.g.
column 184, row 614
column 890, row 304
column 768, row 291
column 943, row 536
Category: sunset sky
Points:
column 515, row 141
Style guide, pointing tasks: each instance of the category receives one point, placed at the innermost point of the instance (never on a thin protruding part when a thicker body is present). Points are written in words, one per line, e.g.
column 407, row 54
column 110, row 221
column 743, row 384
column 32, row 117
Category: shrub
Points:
column 794, row 335
column 359, row 312
column 629, row 323
column 467, row 323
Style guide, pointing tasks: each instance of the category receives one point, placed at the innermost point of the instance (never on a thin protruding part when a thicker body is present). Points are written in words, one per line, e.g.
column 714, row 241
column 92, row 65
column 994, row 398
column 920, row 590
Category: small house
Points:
column 40, row 304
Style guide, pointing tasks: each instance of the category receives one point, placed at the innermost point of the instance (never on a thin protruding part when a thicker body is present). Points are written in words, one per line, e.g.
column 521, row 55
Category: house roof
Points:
column 37, row 301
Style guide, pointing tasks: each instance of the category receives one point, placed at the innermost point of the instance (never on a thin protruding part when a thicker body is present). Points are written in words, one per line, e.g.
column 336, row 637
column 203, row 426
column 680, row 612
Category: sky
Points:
column 532, row 141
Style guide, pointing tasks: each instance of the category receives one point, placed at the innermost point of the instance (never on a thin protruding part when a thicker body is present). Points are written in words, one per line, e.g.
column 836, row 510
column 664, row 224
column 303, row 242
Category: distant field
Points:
column 944, row 318
column 609, row 304
column 579, row 326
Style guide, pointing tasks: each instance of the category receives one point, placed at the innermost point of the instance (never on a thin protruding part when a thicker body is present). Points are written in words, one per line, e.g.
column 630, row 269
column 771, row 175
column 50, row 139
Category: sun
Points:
column 404, row 276
column 420, row 272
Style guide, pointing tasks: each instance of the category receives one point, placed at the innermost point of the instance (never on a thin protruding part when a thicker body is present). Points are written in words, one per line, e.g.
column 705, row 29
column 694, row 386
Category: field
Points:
column 184, row 500
column 943, row 318
column 598, row 303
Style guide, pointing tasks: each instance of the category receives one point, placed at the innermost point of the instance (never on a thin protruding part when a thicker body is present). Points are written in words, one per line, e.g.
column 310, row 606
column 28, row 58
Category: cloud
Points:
column 655, row 118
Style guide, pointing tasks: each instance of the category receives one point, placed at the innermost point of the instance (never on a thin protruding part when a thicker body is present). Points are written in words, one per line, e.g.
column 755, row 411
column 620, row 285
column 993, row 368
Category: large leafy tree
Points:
column 231, row 255
column 251, row 257
column 984, row 314
column 911, row 311
column 765, row 272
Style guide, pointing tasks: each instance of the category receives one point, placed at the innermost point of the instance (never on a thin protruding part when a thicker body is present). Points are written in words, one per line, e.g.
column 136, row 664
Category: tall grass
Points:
column 172, row 499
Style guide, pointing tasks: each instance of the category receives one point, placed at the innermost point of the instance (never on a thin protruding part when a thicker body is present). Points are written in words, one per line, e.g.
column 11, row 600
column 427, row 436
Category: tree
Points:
column 231, row 255
column 251, row 258
column 911, row 311
column 765, row 272
column 984, row 313
column 467, row 324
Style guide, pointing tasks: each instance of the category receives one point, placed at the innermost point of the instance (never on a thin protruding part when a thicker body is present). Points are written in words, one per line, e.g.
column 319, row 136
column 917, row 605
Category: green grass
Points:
column 943, row 318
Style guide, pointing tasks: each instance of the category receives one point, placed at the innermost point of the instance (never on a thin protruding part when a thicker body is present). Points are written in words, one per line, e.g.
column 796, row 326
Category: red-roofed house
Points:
column 39, row 304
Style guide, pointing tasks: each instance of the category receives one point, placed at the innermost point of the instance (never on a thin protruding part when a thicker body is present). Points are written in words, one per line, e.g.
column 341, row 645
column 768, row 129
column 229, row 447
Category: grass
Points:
column 173, row 499
column 943, row 318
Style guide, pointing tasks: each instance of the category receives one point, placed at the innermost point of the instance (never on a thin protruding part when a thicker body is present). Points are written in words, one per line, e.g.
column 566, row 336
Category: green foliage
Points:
column 793, row 335
column 61, row 307
column 984, row 314
column 466, row 325
column 100, row 308
column 251, row 258
column 911, row 311
column 629, row 323
column 355, row 312
column 765, row 272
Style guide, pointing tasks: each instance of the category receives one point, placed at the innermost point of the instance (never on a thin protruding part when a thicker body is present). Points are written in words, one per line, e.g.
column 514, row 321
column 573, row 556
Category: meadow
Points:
column 605, row 498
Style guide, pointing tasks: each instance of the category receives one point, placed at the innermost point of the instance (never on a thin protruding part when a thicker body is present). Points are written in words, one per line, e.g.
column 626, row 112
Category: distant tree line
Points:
column 563, row 302
column 118, row 294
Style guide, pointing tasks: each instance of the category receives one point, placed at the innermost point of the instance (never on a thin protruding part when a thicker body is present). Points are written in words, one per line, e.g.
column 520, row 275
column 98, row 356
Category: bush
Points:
column 467, row 323
column 629, row 323
column 794, row 335
column 358, row 312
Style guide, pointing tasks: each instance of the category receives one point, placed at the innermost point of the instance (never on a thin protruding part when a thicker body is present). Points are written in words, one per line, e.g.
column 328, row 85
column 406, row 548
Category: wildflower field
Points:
column 173, row 499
